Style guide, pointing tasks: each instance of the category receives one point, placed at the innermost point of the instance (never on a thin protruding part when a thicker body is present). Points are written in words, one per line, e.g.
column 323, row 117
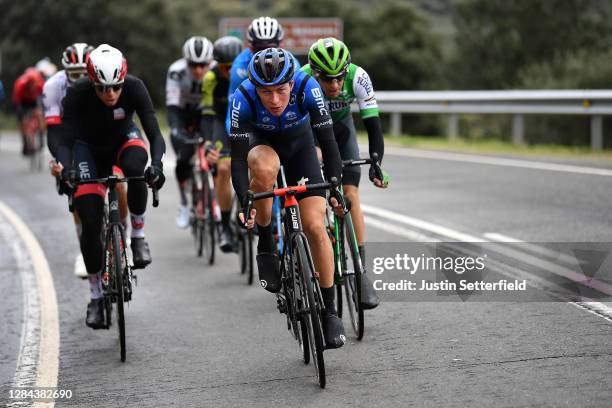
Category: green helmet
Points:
column 329, row 57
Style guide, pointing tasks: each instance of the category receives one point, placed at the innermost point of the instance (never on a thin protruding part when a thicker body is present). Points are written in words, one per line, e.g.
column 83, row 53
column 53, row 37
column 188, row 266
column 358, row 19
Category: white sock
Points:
column 137, row 225
column 95, row 286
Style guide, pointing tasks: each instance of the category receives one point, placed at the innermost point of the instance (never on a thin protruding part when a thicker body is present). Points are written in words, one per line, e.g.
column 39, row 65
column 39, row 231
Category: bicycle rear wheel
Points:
column 314, row 326
column 118, row 286
column 208, row 225
column 352, row 281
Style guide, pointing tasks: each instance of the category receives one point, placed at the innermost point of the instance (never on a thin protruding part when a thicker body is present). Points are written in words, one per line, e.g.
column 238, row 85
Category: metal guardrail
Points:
column 594, row 103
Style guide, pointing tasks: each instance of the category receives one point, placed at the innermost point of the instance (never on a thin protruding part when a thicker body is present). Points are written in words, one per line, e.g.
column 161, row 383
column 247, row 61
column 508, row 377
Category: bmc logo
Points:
column 294, row 220
column 235, row 115
column 316, row 92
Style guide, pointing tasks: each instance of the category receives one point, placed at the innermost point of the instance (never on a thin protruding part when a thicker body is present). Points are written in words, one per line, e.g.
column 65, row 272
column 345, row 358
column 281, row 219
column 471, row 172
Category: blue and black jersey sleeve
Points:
column 322, row 127
column 240, row 130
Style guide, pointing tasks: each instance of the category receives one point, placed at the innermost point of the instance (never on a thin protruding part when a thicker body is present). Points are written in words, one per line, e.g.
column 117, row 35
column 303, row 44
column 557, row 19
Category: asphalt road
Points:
column 199, row 336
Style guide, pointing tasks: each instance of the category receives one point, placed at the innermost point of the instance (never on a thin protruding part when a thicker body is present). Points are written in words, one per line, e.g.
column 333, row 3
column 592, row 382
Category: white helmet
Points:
column 265, row 30
column 46, row 67
column 106, row 66
column 198, row 50
column 75, row 56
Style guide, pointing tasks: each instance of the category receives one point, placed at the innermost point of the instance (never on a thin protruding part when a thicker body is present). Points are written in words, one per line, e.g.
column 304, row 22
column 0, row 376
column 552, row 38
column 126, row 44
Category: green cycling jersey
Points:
column 357, row 86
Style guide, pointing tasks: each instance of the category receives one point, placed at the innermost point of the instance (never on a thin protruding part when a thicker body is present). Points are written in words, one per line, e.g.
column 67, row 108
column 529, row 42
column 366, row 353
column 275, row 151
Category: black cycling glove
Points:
column 154, row 176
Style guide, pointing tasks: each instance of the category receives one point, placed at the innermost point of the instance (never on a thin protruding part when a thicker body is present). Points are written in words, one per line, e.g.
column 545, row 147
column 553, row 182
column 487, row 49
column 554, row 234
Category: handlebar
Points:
column 375, row 168
column 109, row 181
column 251, row 197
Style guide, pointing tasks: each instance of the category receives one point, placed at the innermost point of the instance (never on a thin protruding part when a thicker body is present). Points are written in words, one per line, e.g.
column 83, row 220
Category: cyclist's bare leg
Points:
column 312, row 210
column 319, row 154
column 352, row 192
column 264, row 165
column 223, row 185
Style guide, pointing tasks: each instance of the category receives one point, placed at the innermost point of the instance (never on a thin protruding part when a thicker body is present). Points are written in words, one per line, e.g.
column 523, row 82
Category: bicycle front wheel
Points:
column 352, row 281
column 118, row 285
column 312, row 305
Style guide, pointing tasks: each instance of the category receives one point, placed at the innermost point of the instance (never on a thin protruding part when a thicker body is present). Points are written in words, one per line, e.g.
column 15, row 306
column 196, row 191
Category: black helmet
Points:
column 272, row 66
column 226, row 49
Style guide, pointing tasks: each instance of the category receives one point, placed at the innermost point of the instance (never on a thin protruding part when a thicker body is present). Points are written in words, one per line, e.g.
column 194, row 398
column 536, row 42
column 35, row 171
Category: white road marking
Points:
column 399, row 231
column 496, row 161
column 39, row 352
column 598, row 308
column 415, row 222
column 536, row 249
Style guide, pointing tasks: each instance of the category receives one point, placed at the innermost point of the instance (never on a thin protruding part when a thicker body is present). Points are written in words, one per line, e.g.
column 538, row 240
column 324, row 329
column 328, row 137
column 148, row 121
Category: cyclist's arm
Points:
column 241, row 130
column 146, row 113
column 67, row 132
column 368, row 108
column 52, row 105
column 322, row 127
column 175, row 118
column 208, row 110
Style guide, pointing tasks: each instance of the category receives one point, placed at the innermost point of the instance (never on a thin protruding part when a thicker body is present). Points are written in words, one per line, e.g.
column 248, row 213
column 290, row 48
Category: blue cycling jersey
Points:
column 248, row 119
column 306, row 108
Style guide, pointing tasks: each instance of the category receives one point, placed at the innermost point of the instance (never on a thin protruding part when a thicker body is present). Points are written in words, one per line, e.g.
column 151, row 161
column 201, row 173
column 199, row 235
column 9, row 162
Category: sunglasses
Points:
column 108, row 88
column 76, row 75
column 325, row 78
column 197, row 64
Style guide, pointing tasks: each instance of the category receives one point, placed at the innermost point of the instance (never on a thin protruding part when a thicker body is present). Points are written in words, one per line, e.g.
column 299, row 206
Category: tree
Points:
column 496, row 39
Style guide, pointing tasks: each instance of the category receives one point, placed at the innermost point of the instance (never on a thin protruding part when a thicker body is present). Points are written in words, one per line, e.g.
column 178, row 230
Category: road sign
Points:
column 300, row 33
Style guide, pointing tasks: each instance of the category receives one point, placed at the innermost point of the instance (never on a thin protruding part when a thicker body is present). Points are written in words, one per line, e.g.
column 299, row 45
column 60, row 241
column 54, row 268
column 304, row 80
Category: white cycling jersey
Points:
column 54, row 92
column 182, row 89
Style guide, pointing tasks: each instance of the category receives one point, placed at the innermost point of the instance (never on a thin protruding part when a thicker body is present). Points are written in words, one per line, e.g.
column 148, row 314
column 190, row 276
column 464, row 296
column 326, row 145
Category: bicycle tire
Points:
column 212, row 227
column 119, row 287
column 305, row 347
column 249, row 255
column 313, row 317
column 352, row 282
column 241, row 246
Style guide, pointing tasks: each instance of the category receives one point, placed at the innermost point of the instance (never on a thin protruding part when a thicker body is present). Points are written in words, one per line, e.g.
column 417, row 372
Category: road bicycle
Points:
column 204, row 208
column 243, row 243
column 348, row 269
column 117, row 273
column 300, row 297
column 34, row 138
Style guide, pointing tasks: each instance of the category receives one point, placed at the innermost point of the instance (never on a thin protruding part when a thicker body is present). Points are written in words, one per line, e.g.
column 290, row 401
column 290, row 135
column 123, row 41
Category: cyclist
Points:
column 262, row 33
column 74, row 62
column 183, row 97
column 272, row 120
column 26, row 98
column 343, row 82
column 99, row 113
column 214, row 102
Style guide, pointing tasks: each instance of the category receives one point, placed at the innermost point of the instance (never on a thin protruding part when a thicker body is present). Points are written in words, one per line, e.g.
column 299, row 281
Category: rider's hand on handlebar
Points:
column 251, row 223
column 154, row 176
column 378, row 177
column 56, row 168
column 212, row 154
column 338, row 202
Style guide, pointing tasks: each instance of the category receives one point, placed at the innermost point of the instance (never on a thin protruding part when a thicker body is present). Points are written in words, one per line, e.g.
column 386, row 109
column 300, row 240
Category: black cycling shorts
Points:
column 299, row 161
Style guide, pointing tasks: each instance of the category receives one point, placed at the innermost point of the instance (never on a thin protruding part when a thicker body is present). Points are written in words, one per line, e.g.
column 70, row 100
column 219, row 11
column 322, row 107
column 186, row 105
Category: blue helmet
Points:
column 270, row 67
